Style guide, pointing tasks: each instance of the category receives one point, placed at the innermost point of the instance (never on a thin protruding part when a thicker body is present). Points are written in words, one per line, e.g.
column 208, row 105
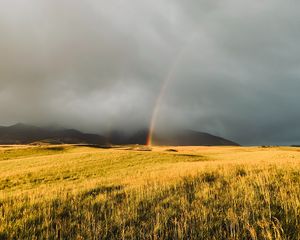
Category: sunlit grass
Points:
column 72, row 192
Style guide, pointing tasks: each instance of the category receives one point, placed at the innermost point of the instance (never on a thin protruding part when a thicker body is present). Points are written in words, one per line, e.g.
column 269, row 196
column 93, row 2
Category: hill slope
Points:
column 175, row 138
column 25, row 134
column 73, row 192
column 192, row 138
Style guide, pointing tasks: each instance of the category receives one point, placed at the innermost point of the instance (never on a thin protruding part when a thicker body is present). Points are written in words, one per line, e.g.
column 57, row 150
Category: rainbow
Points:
column 170, row 75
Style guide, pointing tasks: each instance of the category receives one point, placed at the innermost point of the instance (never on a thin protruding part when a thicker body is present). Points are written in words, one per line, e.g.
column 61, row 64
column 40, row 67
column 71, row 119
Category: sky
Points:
column 95, row 65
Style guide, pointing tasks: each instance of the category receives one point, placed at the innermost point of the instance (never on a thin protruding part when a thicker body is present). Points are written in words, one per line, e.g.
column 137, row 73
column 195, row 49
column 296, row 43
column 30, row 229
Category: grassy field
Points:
column 77, row 192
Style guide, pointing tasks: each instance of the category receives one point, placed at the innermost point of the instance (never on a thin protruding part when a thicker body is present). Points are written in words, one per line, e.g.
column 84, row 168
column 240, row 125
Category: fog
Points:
column 99, row 65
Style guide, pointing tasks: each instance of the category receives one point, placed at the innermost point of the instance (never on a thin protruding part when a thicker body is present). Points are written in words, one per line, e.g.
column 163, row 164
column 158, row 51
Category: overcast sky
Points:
column 99, row 65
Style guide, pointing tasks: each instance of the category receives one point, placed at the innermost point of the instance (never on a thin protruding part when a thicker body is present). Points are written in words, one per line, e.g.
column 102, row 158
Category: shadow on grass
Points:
column 102, row 190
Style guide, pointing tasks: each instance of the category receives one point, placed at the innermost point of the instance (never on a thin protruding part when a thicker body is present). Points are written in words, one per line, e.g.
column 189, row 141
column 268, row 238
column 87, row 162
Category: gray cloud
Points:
column 99, row 65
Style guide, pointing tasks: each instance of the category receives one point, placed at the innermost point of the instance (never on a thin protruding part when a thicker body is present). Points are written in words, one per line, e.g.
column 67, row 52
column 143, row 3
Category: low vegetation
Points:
column 78, row 192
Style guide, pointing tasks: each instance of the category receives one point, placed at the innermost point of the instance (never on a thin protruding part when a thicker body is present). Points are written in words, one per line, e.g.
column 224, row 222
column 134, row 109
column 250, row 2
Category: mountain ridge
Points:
column 175, row 138
column 27, row 134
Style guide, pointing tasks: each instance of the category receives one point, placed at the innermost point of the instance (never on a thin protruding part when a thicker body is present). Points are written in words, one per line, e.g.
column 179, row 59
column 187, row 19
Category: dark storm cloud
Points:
column 99, row 65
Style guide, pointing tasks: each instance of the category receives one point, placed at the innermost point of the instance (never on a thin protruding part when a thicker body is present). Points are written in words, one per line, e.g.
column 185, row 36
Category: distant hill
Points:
column 26, row 134
column 171, row 138
column 192, row 138
column 119, row 137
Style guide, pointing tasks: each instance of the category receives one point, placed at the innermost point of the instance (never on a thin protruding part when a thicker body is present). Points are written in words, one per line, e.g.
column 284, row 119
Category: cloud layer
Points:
column 99, row 65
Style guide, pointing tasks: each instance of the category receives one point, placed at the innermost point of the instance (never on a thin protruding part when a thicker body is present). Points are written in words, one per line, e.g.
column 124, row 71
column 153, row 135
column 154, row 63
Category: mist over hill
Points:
column 179, row 137
column 95, row 65
column 27, row 134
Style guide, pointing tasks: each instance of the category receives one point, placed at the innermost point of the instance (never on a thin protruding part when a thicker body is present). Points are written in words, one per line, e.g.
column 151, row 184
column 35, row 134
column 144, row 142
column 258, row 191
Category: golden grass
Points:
column 76, row 192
